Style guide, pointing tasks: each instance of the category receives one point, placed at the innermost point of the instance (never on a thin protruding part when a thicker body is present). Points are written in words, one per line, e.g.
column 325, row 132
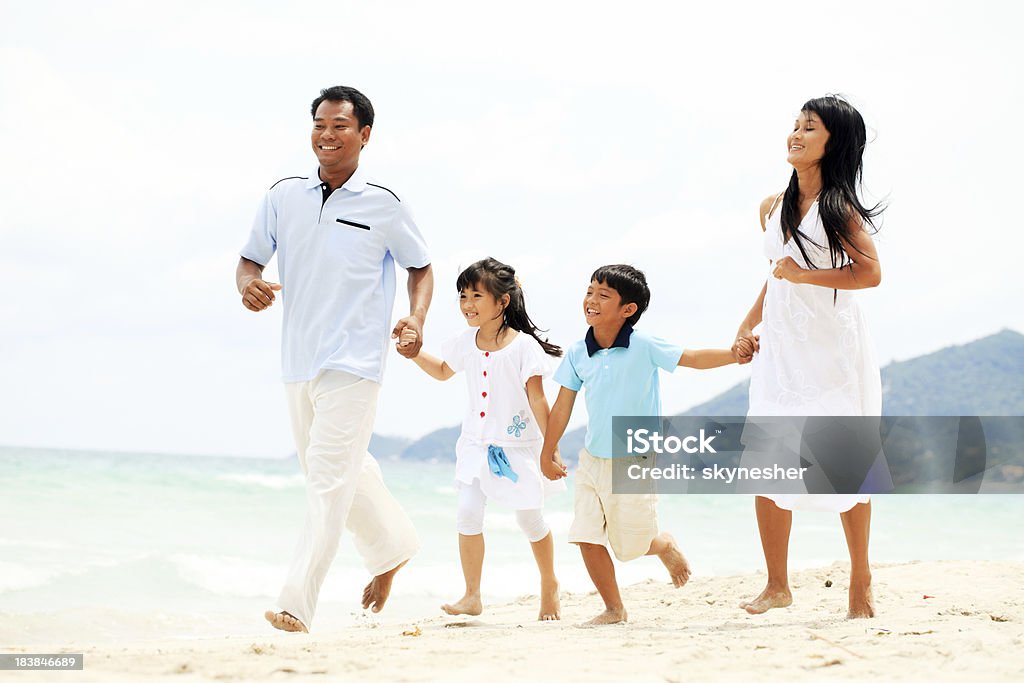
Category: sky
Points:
column 138, row 140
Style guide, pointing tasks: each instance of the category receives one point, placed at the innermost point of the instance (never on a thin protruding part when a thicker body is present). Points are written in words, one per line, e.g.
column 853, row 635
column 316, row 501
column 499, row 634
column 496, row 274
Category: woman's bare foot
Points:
column 769, row 598
column 862, row 602
column 285, row 622
column 469, row 604
column 550, row 606
column 609, row 616
column 377, row 591
column 675, row 562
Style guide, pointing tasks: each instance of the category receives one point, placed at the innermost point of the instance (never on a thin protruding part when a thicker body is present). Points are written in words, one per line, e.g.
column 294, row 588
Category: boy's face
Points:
column 603, row 307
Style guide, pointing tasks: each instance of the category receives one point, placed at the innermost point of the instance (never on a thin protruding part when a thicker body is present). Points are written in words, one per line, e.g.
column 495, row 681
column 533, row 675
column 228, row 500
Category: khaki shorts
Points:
column 628, row 522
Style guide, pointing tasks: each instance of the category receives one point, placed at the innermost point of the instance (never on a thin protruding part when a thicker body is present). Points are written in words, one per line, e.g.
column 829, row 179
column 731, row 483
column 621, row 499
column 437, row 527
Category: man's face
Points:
column 337, row 137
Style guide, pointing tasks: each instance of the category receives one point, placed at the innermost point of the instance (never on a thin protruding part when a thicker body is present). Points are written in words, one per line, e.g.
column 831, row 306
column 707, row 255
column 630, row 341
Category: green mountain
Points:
column 983, row 377
column 388, row 446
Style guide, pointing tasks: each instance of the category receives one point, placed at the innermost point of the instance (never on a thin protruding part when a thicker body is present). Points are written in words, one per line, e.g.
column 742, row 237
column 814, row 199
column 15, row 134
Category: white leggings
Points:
column 470, row 515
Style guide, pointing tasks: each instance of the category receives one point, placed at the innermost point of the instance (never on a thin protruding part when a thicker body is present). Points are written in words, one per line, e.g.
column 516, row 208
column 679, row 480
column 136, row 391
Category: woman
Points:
column 814, row 355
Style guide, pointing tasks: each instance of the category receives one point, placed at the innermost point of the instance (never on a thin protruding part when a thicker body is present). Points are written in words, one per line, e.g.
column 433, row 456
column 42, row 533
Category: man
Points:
column 337, row 236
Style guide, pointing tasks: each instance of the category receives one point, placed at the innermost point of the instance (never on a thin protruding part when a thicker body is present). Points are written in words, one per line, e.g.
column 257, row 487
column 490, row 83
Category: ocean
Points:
column 132, row 545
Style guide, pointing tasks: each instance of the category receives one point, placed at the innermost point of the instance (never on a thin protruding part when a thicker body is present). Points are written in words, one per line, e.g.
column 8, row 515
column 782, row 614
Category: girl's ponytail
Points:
column 517, row 318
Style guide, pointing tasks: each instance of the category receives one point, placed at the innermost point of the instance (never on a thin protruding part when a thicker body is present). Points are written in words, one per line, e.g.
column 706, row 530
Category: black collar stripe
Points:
column 386, row 190
column 621, row 339
column 291, row 177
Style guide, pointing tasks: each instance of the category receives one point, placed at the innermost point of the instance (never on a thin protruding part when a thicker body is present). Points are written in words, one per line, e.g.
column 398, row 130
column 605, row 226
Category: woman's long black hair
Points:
column 842, row 169
column 500, row 279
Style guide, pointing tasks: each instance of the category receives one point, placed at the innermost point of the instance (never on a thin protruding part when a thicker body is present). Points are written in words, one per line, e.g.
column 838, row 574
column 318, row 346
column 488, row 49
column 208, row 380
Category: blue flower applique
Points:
column 519, row 423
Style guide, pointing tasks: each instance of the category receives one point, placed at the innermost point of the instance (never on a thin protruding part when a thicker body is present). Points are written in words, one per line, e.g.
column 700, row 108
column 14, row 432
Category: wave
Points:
column 14, row 577
column 269, row 481
column 18, row 577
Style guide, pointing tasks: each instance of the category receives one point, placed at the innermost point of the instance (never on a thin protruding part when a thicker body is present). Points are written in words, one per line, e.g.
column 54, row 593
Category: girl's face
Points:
column 806, row 144
column 480, row 307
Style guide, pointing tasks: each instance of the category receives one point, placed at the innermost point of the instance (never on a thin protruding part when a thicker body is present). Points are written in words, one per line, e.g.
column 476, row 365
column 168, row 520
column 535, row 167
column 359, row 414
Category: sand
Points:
column 971, row 625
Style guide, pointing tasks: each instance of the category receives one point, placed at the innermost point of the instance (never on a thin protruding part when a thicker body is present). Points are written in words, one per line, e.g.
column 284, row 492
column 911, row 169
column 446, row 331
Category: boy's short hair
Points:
column 630, row 283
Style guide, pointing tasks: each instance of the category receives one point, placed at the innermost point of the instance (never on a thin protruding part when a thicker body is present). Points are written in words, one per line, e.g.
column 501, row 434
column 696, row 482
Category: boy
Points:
column 619, row 367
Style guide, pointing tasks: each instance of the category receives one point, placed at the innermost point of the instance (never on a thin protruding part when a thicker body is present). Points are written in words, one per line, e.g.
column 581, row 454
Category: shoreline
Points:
column 971, row 623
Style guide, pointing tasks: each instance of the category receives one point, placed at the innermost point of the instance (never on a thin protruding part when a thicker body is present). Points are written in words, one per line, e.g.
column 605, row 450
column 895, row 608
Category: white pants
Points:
column 332, row 421
column 469, row 519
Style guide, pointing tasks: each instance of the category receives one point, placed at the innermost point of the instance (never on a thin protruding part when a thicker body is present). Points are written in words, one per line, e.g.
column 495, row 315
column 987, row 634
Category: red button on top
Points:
column 485, row 373
column 487, row 353
column 481, row 413
column 484, row 394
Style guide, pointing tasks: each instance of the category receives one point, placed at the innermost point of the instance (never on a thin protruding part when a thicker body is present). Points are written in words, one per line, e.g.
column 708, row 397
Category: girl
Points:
column 815, row 356
column 498, row 452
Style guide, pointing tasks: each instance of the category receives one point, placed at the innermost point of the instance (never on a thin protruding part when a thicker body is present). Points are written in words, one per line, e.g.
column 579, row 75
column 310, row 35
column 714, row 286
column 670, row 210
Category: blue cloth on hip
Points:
column 498, row 462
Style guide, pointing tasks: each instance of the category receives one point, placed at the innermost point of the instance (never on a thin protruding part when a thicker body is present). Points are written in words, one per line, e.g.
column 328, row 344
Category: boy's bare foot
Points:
column 609, row 616
column 285, row 622
column 377, row 591
column 550, row 606
column 469, row 604
column 769, row 598
column 862, row 602
column 674, row 560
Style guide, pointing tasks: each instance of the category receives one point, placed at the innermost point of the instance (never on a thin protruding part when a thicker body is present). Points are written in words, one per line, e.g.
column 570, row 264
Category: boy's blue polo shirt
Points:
column 621, row 380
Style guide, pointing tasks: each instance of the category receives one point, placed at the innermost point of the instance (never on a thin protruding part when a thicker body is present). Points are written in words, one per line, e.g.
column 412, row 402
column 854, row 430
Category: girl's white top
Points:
column 498, row 410
column 816, row 357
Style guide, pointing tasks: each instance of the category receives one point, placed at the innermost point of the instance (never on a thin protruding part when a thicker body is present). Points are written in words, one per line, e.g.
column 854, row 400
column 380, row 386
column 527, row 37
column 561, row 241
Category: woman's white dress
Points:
column 816, row 356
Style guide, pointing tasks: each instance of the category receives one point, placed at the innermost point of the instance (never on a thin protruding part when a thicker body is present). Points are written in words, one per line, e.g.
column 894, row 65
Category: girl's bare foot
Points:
column 285, row 622
column 769, row 598
column 550, row 606
column 377, row 591
column 469, row 604
column 609, row 616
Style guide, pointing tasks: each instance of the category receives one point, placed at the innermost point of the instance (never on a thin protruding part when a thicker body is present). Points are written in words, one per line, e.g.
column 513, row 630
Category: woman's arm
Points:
column 744, row 352
column 863, row 271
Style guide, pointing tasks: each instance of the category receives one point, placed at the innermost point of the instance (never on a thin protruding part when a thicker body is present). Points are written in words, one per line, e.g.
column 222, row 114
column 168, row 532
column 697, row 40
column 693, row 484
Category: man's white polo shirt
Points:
column 336, row 259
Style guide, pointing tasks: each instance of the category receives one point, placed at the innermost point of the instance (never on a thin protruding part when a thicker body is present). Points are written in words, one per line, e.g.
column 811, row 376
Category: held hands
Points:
column 258, row 295
column 787, row 269
column 553, row 468
column 407, row 337
column 745, row 346
column 743, row 350
column 409, row 333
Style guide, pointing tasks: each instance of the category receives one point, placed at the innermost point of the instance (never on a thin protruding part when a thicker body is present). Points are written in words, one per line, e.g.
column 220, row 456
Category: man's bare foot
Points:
column 862, row 602
column 550, row 606
column 469, row 604
column 674, row 560
column 769, row 598
column 377, row 591
column 609, row 616
column 285, row 622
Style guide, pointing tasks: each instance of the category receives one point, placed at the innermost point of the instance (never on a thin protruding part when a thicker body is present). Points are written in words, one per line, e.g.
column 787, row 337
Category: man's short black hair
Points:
column 361, row 106
column 630, row 283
